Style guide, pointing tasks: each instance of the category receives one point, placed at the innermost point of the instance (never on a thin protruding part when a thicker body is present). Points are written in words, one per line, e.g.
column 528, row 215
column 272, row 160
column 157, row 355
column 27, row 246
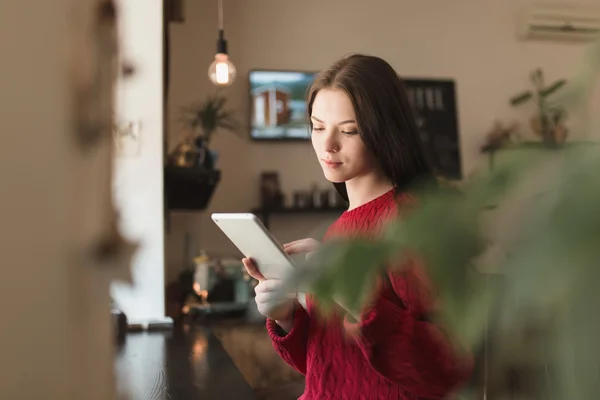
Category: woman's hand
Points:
column 308, row 246
column 265, row 291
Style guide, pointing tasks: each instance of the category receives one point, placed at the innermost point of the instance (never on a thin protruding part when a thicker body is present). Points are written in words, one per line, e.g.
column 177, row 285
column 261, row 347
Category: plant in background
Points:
column 205, row 117
column 544, row 310
column 550, row 118
column 200, row 121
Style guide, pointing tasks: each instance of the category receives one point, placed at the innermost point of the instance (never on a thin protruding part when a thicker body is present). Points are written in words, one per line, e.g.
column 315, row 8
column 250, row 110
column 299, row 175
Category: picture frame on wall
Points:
column 436, row 111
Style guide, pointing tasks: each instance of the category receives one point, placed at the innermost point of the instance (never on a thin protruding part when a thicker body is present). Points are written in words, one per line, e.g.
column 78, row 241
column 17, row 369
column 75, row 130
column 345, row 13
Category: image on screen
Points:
column 278, row 104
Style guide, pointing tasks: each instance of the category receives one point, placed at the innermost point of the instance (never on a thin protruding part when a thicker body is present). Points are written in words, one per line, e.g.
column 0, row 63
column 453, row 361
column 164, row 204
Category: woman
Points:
column 365, row 138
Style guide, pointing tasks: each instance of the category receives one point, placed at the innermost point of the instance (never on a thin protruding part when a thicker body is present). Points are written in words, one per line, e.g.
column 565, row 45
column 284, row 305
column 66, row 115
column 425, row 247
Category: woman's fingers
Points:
column 269, row 286
column 252, row 269
column 265, row 298
column 307, row 245
column 265, row 290
column 266, row 302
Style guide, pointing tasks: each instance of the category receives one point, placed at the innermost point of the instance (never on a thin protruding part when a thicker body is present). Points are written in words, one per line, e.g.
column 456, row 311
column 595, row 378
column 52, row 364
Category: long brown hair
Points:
column 384, row 116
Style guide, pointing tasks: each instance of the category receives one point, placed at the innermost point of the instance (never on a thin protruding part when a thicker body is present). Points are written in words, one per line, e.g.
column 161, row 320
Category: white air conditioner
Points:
column 569, row 22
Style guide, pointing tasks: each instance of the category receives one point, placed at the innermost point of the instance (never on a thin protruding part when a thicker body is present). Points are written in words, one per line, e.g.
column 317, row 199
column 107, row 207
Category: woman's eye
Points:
column 317, row 129
column 350, row 132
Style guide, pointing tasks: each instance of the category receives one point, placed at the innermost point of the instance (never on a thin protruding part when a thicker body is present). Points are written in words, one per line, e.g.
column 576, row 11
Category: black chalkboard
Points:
column 434, row 103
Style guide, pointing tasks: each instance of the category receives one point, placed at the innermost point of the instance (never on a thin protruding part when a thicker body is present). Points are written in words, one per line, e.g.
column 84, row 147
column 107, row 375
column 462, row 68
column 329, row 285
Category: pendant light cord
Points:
column 220, row 15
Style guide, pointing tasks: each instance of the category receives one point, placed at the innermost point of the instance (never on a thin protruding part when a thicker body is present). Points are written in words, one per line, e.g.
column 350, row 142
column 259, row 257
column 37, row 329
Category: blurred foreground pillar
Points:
column 58, row 246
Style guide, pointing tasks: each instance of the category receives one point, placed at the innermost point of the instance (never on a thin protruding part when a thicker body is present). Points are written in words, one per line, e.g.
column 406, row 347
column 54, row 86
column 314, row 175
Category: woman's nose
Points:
column 331, row 143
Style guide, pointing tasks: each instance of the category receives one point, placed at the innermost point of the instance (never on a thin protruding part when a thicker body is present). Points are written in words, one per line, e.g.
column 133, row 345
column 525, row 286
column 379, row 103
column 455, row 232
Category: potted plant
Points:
column 201, row 120
column 550, row 118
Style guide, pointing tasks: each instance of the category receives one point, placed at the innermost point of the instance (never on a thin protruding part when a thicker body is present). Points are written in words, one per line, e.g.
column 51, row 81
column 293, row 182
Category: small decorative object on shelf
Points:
column 270, row 190
column 301, row 199
column 316, row 200
column 499, row 137
column 335, row 199
column 312, row 201
column 549, row 122
column 185, row 155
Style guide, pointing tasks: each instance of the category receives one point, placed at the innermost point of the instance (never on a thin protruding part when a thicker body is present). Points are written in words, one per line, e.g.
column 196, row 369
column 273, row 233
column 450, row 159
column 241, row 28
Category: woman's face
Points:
column 336, row 140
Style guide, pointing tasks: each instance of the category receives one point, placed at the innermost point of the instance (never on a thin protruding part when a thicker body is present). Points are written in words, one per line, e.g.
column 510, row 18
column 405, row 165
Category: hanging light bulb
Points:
column 221, row 71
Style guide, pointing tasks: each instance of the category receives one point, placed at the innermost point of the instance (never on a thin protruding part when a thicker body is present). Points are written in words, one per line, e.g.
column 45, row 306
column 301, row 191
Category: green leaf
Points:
column 553, row 88
column 361, row 263
column 579, row 328
column 521, row 98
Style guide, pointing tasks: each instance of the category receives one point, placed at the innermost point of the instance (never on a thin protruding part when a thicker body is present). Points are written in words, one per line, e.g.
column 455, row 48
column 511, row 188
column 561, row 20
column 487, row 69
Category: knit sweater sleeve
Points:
column 401, row 345
column 292, row 346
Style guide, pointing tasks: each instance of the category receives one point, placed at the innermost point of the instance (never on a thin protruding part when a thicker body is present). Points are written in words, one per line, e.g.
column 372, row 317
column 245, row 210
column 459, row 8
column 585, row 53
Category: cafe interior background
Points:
column 197, row 131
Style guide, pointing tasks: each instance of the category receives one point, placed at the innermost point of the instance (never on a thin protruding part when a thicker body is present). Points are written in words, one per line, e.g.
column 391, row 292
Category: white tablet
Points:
column 251, row 237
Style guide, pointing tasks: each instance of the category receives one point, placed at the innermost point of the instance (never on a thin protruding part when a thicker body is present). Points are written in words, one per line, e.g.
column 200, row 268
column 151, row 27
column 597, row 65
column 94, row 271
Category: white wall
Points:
column 138, row 182
column 471, row 41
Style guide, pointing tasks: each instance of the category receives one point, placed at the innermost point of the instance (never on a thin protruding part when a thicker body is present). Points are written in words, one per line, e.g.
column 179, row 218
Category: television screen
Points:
column 278, row 104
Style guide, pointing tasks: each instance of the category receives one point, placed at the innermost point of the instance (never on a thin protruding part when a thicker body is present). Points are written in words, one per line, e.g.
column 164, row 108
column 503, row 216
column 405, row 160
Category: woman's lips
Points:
column 331, row 164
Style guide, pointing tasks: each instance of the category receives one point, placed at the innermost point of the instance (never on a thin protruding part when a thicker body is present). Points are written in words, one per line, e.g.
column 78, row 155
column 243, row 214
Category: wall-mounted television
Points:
column 278, row 104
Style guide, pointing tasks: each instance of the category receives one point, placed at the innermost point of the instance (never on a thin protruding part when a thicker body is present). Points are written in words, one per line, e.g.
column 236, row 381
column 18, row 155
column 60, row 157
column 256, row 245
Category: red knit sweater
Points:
column 393, row 353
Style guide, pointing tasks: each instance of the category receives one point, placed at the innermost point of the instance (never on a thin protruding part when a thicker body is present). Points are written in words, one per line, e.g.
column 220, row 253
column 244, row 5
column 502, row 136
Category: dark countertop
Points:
column 185, row 363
